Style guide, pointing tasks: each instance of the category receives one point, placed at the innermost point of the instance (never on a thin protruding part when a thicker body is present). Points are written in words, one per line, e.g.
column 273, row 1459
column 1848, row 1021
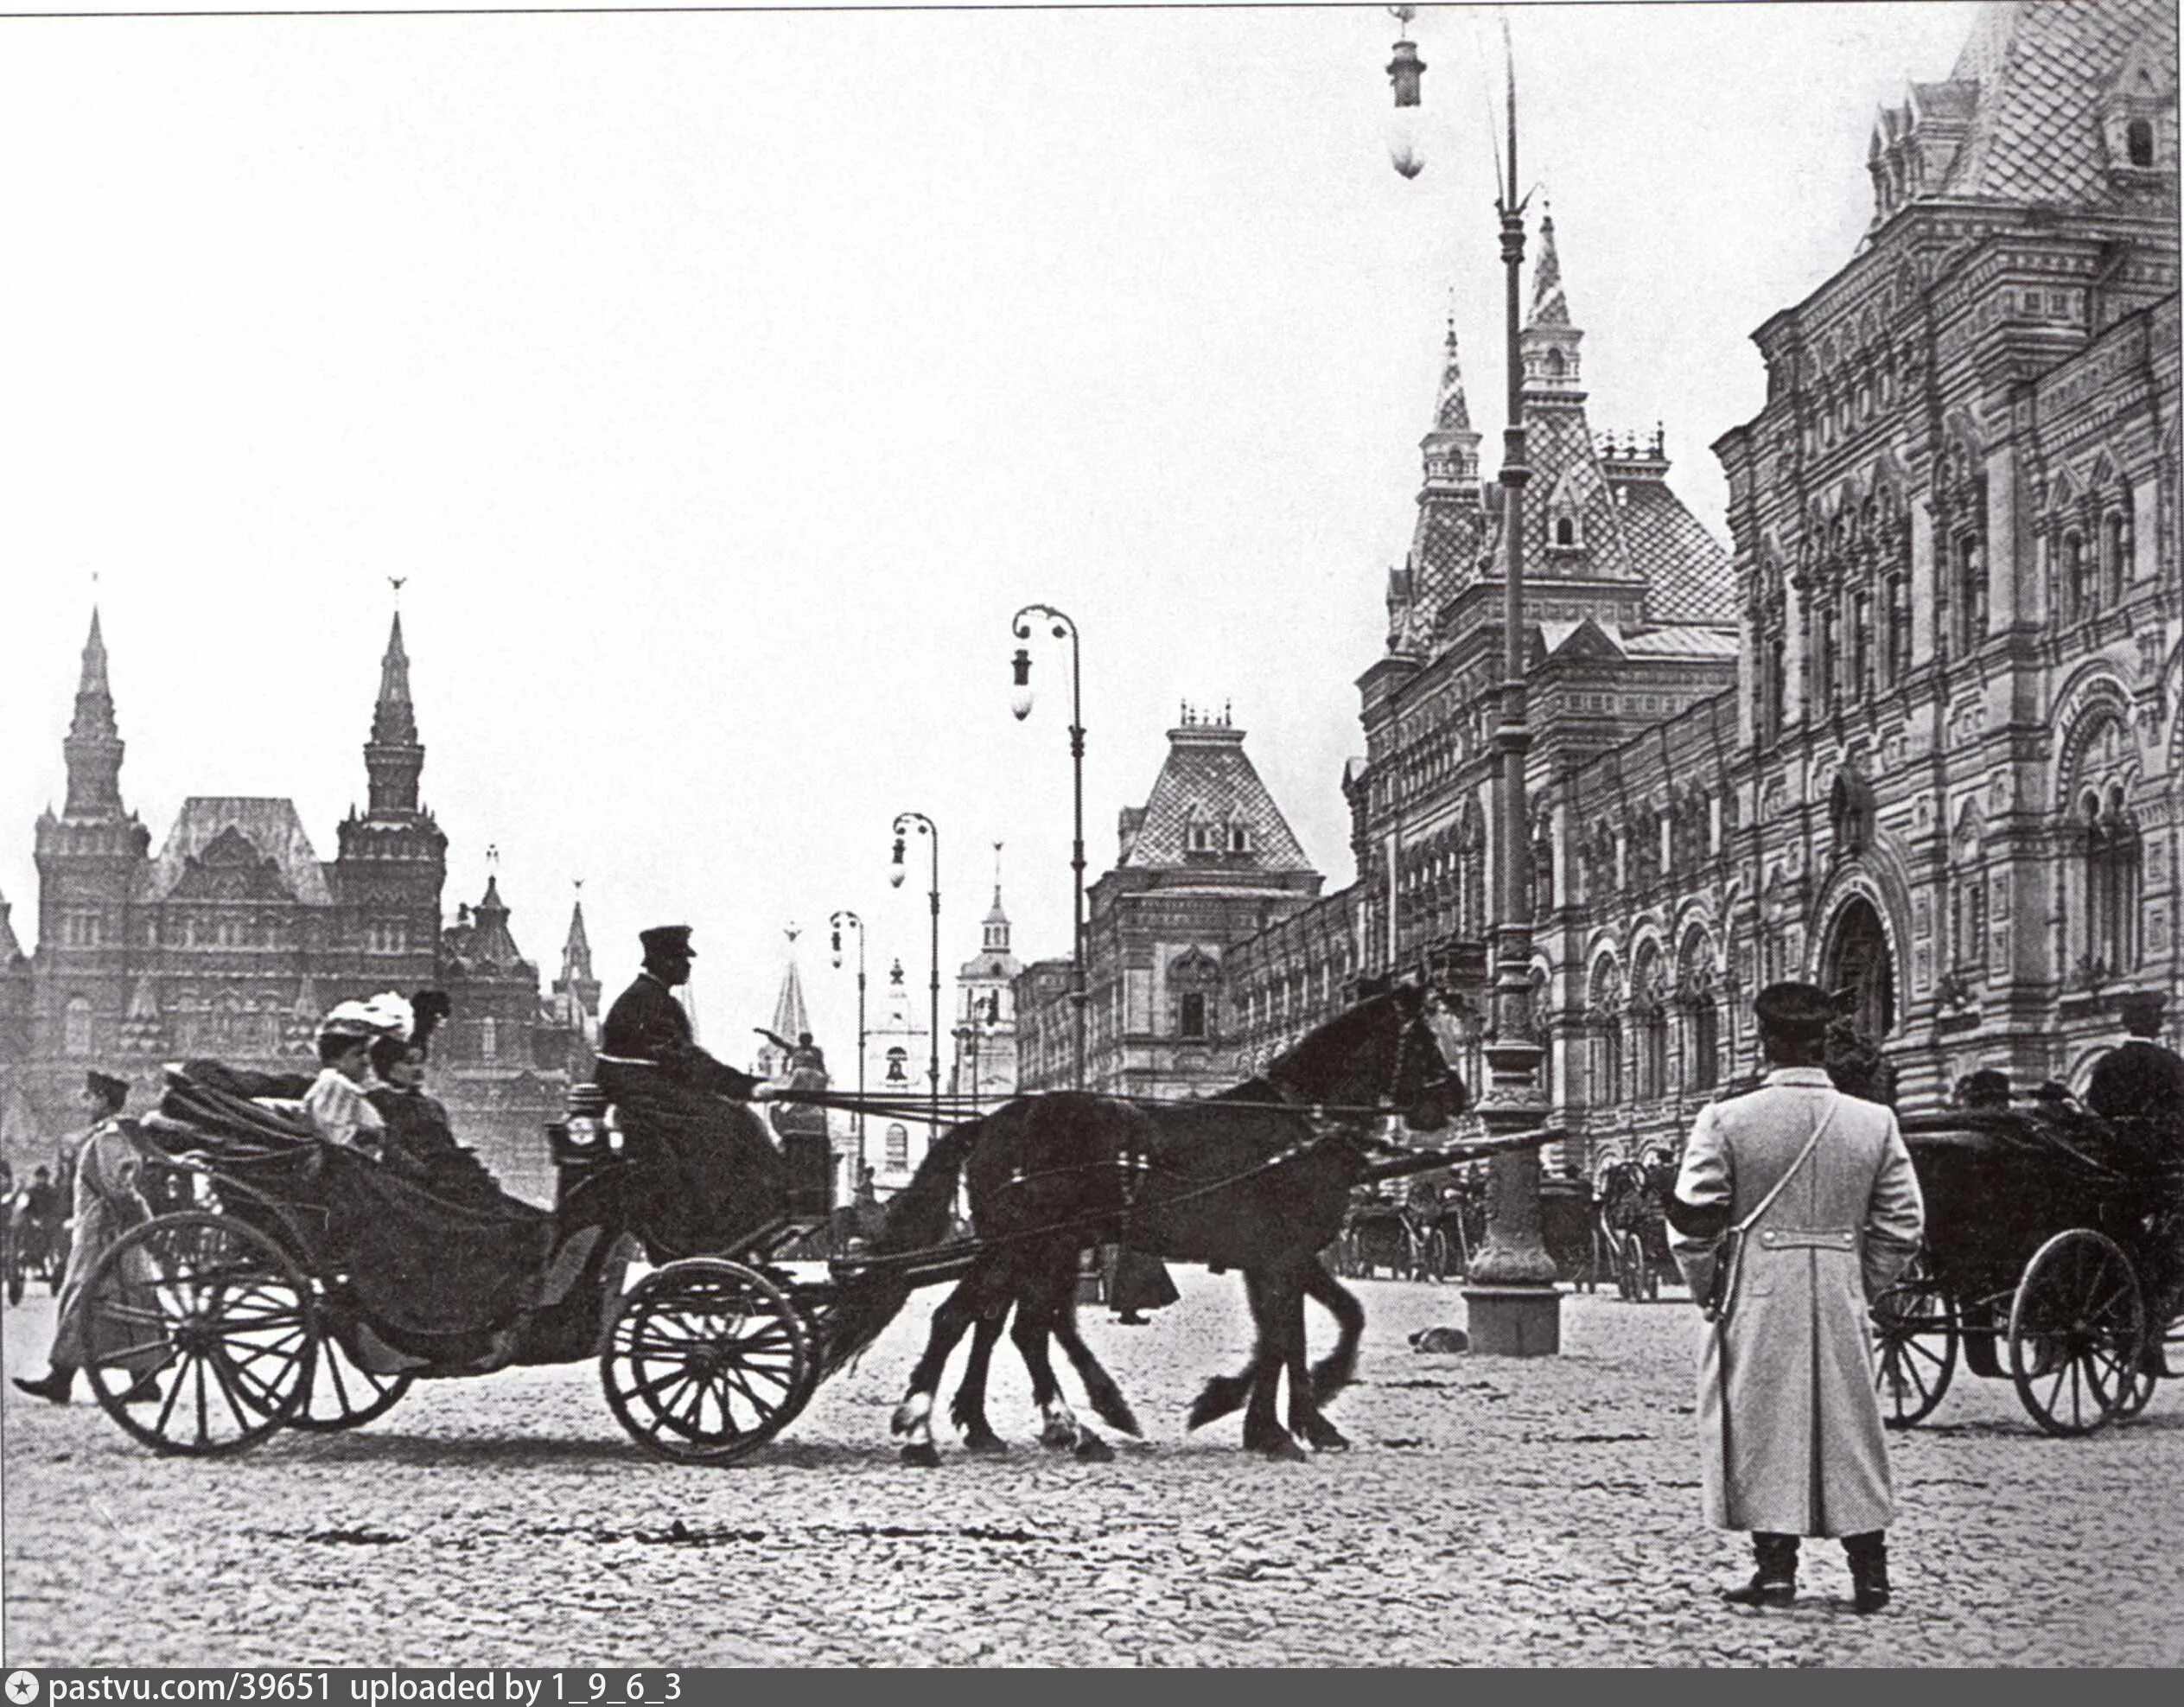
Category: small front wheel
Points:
column 1914, row 1347
column 2077, row 1332
column 706, row 1362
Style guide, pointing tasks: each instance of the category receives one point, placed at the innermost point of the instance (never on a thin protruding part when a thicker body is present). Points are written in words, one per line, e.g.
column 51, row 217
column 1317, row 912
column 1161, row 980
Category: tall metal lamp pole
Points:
column 904, row 824
column 1513, row 1308
column 847, row 919
column 1020, row 702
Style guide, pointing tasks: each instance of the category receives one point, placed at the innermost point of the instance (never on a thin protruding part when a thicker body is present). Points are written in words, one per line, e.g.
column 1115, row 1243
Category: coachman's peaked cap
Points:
column 1794, row 1007
column 666, row 939
column 105, row 1084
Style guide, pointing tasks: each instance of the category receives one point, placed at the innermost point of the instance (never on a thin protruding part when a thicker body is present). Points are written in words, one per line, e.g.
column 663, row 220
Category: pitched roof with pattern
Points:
column 270, row 825
column 1207, row 778
column 2043, row 68
column 1688, row 572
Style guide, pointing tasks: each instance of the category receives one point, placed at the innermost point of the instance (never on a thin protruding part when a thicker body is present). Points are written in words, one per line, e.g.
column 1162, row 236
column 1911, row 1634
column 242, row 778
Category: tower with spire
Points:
column 391, row 860
column 1446, row 542
column 985, row 1041
column 90, row 858
column 576, row 991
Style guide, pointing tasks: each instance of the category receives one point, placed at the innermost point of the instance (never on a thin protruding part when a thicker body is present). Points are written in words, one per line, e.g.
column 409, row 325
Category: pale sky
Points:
column 724, row 384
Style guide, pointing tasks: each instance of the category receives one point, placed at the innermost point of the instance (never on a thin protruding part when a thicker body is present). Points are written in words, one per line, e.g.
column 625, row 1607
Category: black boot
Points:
column 1774, row 1583
column 1869, row 1557
column 59, row 1382
column 144, row 1390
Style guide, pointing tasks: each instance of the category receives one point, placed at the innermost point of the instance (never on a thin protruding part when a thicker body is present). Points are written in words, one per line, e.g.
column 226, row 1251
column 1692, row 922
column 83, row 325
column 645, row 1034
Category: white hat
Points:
column 385, row 1015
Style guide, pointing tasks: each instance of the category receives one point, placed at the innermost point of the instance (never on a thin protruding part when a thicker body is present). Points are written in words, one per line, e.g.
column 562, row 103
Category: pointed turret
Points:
column 996, row 925
column 1548, row 345
column 491, row 946
column 791, row 1019
column 1445, row 545
column 394, row 756
column 93, row 747
column 576, row 992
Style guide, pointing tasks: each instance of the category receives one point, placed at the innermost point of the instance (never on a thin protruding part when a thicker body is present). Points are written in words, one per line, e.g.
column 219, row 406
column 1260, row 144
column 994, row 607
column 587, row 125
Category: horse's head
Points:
column 1423, row 1086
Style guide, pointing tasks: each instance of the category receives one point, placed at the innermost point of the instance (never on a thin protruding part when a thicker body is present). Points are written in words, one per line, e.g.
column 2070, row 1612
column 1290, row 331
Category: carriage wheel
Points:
column 2076, row 1328
column 1630, row 1267
column 342, row 1394
column 215, row 1312
column 706, row 1362
column 1914, row 1339
column 1436, row 1255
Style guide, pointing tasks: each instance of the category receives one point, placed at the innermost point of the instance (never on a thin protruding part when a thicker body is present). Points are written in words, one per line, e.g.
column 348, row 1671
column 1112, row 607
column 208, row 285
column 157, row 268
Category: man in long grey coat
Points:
column 1790, row 1441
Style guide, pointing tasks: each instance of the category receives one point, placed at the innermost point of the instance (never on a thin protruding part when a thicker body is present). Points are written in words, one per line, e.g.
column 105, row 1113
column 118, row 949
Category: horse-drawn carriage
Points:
column 34, row 1242
column 2054, row 1256
column 307, row 1287
column 1633, row 1196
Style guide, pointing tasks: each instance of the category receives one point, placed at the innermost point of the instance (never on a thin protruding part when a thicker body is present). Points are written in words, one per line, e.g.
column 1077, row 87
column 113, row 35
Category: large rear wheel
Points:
column 212, row 1314
column 342, row 1393
column 1914, row 1347
column 706, row 1362
column 2077, row 1331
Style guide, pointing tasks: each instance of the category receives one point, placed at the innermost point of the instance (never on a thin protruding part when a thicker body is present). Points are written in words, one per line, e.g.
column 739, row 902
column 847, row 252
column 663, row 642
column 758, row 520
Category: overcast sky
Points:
column 721, row 385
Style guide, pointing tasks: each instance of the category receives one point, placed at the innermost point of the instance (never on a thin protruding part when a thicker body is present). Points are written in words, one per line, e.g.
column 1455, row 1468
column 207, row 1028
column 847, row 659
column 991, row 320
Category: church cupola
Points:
column 394, row 757
column 93, row 747
column 1547, row 344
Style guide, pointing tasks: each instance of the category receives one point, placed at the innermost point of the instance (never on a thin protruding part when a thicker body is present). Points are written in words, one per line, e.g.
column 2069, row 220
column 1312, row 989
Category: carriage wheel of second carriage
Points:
column 342, row 1394
column 215, row 1313
column 1914, row 1347
column 2077, row 1329
column 706, row 1362
column 1630, row 1268
column 1436, row 1255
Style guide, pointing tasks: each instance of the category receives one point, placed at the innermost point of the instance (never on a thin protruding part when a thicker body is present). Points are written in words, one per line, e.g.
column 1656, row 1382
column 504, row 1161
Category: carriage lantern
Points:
column 1019, row 699
column 894, row 871
column 1404, row 72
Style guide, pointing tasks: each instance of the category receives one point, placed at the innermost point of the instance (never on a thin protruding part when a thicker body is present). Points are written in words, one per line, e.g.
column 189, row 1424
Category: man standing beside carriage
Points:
column 1795, row 1207
column 107, row 1204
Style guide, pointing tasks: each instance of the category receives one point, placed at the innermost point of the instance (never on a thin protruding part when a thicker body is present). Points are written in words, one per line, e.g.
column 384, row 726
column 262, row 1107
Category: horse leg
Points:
column 1305, row 1420
column 969, row 1410
column 1058, row 1430
column 1335, row 1371
column 1270, row 1308
column 913, row 1417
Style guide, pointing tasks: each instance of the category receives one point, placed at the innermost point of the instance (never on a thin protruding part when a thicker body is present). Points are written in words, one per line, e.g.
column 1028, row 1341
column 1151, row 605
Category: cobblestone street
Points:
column 1533, row 1514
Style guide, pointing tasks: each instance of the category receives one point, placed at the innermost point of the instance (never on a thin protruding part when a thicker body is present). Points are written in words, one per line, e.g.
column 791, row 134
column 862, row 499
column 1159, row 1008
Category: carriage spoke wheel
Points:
column 705, row 1360
column 1630, row 1267
column 2077, row 1329
column 1914, row 1347
column 342, row 1394
column 214, row 1312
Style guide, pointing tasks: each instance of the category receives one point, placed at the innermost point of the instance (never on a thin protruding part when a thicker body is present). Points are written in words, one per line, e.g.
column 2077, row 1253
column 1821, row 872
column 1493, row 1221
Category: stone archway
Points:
column 1856, row 959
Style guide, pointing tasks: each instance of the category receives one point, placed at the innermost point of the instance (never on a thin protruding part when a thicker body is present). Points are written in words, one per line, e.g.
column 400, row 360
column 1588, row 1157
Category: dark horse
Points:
column 1243, row 1180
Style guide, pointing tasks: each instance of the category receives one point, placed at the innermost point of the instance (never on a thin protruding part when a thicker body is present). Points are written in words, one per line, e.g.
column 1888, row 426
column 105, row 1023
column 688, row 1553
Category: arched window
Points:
column 2138, row 141
column 898, row 1147
column 1566, row 531
column 1604, row 1018
column 2113, row 877
column 2115, row 552
column 1649, row 1013
column 1968, row 897
column 75, row 1026
column 1895, row 650
column 1970, row 563
column 1706, row 1043
column 2078, row 591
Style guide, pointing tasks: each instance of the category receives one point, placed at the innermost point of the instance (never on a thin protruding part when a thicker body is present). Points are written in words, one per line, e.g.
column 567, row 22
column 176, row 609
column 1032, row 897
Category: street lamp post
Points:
column 1020, row 702
column 847, row 919
column 1513, row 1308
column 904, row 824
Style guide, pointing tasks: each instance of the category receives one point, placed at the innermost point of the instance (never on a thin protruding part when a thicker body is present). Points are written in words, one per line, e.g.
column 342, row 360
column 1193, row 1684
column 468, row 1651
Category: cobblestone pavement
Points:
column 1541, row 1512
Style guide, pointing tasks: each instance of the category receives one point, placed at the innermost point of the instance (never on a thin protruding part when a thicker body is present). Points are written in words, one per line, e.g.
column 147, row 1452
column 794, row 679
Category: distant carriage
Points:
column 1633, row 1198
column 2053, row 1247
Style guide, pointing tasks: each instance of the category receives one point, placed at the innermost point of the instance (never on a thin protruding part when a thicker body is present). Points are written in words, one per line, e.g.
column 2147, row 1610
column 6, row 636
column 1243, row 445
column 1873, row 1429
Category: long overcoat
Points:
column 1790, row 1432
column 109, row 1169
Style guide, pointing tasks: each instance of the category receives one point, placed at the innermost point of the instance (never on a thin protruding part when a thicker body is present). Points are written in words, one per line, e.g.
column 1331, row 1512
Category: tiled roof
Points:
column 1207, row 777
column 1550, row 307
column 1676, row 641
column 1452, row 414
column 2043, row 68
column 1687, row 570
column 270, row 826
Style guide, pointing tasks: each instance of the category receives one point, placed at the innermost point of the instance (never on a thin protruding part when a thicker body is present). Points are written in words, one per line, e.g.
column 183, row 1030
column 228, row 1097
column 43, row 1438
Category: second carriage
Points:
column 2053, row 1260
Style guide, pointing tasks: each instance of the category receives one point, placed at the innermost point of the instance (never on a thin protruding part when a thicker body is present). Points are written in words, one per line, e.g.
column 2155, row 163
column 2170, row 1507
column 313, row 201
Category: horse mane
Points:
column 1323, row 1054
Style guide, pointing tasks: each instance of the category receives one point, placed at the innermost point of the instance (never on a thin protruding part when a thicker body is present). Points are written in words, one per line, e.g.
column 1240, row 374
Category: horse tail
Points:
column 1106, row 1399
column 917, row 1218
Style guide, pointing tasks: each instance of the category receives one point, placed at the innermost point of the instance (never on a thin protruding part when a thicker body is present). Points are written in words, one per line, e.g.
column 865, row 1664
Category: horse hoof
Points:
column 1058, row 1439
column 923, row 1455
column 1326, row 1438
column 1092, row 1449
column 985, row 1446
column 1283, row 1449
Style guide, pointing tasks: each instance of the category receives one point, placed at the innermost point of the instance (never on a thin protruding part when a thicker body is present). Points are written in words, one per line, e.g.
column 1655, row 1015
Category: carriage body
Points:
column 2050, row 1259
column 292, row 1282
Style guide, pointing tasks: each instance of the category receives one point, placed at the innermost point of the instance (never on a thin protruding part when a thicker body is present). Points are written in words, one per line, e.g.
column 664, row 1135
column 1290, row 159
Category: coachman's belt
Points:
column 626, row 1060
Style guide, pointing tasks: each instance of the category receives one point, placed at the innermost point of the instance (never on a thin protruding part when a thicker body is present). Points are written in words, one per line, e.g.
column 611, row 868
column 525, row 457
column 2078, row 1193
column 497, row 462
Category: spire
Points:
column 394, row 756
column 1451, row 414
column 1548, row 346
column 94, row 745
column 577, row 990
column 791, row 1019
column 1549, row 306
column 576, row 953
column 996, row 938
